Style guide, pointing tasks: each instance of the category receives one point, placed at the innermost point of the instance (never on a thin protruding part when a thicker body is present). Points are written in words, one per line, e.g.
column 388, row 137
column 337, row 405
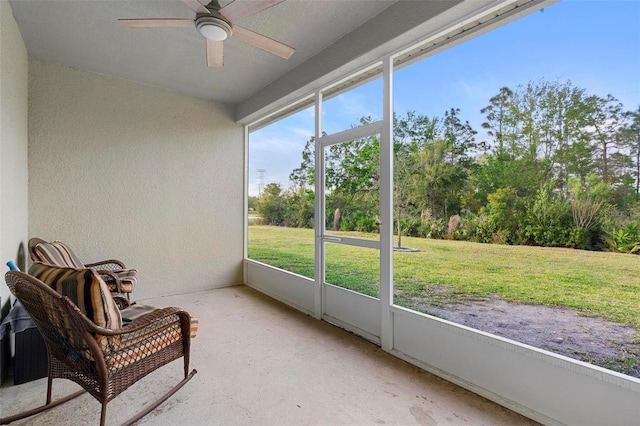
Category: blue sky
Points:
column 594, row 44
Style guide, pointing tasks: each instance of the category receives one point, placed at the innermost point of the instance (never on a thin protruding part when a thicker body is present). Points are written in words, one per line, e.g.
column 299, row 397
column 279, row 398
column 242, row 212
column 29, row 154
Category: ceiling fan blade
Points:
column 215, row 53
column 196, row 6
column 263, row 42
column 157, row 23
column 240, row 9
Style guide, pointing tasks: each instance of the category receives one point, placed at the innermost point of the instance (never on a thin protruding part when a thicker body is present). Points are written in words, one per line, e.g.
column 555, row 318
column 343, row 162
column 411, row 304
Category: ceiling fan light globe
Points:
column 213, row 28
column 213, row 32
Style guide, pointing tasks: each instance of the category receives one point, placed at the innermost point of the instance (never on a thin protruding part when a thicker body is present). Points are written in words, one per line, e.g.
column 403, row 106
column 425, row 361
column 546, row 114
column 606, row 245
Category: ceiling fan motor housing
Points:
column 213, row 26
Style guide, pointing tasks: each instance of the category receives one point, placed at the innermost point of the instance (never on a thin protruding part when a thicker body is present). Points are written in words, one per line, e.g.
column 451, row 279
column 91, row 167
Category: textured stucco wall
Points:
column 13, row 144
column 127, row 171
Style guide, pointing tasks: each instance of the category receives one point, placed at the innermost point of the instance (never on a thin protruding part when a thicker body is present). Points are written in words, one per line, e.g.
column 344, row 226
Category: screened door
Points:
column 349, row 240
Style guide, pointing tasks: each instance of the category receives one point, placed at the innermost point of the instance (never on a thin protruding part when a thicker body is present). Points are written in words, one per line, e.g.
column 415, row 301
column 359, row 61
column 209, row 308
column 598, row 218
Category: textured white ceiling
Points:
column 87, row 35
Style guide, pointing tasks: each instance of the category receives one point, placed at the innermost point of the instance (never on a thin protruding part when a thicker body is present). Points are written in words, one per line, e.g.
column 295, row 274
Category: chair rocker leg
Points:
column 160, row 400
column 34, row 411
column 103, row 413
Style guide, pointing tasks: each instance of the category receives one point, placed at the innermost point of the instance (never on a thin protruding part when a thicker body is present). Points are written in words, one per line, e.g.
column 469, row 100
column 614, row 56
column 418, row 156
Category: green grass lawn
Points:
column 599, row 284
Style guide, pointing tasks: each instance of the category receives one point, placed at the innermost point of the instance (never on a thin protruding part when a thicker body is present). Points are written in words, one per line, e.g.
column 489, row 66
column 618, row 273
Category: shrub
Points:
column 477, row 228
column 500, row 237
column 361, row 221
column 625, row 238
column 506, row 212
column 271, row 205
column 411, row 227
column 579, row 238
column 435, row 229
column 549, row 221
column 299, row 208
column 460, row 235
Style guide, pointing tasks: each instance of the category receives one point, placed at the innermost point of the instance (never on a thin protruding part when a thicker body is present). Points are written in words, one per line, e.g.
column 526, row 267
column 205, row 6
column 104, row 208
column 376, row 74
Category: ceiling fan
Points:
column 215, row 23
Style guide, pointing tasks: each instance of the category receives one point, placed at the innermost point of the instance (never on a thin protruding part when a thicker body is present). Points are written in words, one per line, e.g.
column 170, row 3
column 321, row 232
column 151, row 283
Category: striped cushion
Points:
column 127, row 278
column 85, row 288
column 194, row 327
column 57, row 253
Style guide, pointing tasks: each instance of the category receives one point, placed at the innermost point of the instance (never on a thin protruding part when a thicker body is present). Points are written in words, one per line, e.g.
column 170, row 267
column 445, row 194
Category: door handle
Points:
column 331, row 239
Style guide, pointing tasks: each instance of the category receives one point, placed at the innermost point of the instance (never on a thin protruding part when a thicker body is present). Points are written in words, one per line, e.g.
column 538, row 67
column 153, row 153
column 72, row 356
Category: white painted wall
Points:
column 547, row 387
column 151, row 177
column 293, row 289
column 13, row 144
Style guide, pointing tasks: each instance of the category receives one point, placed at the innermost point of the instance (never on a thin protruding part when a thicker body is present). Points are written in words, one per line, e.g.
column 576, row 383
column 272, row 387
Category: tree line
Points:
column 559, row 167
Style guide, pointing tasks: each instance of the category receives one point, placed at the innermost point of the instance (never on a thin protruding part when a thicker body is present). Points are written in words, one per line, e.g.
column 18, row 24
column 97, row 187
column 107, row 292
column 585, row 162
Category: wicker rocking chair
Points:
column 120, row 280
column 104, row 359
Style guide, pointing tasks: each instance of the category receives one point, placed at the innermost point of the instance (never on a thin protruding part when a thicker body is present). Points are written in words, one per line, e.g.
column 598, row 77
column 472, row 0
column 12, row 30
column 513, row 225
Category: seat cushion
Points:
column 136, row 346
column 134, row 312
column 85, row 289
column 57, row 253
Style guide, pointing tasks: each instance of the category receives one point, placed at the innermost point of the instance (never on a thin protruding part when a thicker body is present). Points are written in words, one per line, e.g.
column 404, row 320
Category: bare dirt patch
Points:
column 560, row 330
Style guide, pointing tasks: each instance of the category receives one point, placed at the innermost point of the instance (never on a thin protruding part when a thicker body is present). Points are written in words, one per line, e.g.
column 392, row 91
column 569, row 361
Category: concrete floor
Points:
column 260, row 362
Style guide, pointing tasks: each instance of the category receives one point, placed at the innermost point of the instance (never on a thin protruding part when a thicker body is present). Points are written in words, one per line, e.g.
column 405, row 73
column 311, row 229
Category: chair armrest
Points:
column 109, row 276
column 110, row 265
column 153, row 318
column 149, row 322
